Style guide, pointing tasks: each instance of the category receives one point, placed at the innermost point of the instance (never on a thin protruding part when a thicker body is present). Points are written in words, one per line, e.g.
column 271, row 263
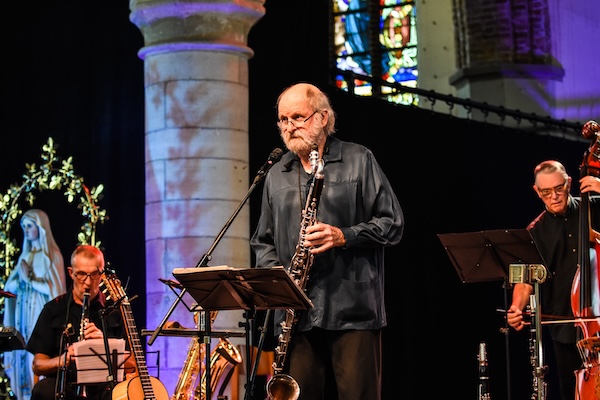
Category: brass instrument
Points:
column 85, row 319
column 223, row 358
column 283, row 386
column 189, row 373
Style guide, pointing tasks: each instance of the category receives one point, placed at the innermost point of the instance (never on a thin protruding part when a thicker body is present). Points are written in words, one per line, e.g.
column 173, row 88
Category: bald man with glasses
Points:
column 336, row 346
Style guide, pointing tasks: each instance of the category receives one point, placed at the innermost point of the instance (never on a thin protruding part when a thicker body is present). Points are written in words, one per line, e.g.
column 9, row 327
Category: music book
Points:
column 90, row 360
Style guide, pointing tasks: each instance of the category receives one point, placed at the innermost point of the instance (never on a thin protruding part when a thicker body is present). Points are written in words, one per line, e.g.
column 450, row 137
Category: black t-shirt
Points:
column 59, row 324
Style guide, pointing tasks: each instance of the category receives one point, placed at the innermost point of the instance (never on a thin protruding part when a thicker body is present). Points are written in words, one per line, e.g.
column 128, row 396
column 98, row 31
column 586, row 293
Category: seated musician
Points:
column 60, row 324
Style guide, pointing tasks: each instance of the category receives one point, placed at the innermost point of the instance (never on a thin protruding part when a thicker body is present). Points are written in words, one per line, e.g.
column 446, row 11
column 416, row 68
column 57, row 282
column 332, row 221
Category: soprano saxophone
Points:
column 192, row 386
column 283, row 386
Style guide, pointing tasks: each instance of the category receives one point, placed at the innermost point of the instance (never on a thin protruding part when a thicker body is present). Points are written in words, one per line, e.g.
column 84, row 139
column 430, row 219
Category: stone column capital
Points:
column 195, row 25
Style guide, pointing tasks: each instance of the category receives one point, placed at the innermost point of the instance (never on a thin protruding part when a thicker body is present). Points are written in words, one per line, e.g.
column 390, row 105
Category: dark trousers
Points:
column 337, row 364
column 47, row 389
column 568, row 361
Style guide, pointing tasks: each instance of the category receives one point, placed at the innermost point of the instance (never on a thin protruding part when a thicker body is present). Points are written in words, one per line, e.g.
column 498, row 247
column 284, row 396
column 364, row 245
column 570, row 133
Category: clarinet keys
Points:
column 483, row 390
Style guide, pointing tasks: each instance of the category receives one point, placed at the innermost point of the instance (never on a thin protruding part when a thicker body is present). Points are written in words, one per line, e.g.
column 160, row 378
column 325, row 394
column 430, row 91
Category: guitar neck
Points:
column 137, row 349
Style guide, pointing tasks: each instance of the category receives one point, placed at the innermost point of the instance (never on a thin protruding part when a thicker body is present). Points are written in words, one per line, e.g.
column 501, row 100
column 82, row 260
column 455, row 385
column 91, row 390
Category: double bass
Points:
column 584, row 292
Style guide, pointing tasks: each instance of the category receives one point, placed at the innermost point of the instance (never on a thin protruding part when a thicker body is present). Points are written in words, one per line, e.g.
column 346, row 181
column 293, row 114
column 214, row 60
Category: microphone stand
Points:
column 261, row 342
column 61, row 382
column 203, row 262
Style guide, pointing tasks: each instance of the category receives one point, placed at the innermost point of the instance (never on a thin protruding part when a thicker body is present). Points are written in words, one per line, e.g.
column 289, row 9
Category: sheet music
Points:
column 216, row 268
column 213, row 268
column 90, row 360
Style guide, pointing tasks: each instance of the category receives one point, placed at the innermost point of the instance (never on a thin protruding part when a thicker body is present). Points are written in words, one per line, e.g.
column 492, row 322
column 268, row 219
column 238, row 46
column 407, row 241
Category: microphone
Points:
column 273, row 158
column 69, row 330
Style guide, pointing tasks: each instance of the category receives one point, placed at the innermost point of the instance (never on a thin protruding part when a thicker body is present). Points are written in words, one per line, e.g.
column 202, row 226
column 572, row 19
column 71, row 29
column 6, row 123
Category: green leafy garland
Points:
column 51, row 175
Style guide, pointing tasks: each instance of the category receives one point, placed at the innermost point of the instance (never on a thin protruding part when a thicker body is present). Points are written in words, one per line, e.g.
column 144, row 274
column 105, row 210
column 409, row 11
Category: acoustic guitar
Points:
column 143, row 386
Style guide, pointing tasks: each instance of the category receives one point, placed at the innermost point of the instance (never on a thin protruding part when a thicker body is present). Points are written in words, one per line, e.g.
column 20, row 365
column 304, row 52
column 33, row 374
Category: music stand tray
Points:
column 91, row 361
column 11, row 339
column 228, row 288
column 485, row 255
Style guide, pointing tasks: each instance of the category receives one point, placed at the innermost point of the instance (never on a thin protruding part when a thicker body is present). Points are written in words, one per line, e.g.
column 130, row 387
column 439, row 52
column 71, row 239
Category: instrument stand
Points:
column 484, row 256
column 249, row 328
column 228, row 288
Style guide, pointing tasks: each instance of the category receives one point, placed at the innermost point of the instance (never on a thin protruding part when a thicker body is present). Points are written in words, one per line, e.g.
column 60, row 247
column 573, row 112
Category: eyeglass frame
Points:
column 559, row 189
column 281, row 123
column 82, row 276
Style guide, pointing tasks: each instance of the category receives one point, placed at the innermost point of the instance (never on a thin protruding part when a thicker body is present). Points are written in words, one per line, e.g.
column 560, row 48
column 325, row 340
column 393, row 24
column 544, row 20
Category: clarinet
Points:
column 85, row 318
column 282, row 386
column 535, row 347
column 483, row 392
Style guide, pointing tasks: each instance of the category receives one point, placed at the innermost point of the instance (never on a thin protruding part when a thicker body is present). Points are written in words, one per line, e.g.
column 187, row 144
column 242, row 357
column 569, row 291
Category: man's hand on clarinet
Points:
column 321, row 237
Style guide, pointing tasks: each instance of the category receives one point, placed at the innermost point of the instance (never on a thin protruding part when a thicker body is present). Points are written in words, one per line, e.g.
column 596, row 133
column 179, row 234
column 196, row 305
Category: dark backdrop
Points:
column 71, row 72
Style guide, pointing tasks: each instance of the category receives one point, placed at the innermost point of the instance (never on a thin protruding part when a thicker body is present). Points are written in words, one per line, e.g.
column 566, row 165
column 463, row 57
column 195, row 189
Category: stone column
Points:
column 196, row 145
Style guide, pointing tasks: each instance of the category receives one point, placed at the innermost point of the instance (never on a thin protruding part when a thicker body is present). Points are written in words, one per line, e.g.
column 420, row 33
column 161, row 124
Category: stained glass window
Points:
column 375, row 48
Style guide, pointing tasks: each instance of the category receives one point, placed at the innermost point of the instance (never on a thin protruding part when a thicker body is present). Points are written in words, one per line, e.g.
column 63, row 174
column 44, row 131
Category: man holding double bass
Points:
column 556, row 234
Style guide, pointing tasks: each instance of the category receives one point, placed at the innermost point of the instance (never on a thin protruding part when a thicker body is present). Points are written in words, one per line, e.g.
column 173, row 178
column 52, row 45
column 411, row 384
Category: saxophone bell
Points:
column 283, row 387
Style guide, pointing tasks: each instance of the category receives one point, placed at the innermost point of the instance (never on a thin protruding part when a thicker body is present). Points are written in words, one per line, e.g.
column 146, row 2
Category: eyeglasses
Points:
column 560, row 189
column 82, row 276
column 297, row 121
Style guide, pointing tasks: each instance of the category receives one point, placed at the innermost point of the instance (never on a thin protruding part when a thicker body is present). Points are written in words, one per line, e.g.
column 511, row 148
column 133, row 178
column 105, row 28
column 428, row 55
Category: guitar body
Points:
column 132, row 389
column 143, row 386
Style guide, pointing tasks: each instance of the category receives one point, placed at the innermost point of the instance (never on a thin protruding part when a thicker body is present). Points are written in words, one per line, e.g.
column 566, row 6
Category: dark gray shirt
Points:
column 346, row 285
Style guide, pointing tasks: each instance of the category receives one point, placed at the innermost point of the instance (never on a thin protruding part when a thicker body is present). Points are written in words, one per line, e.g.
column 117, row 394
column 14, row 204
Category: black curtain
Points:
column 71, row 72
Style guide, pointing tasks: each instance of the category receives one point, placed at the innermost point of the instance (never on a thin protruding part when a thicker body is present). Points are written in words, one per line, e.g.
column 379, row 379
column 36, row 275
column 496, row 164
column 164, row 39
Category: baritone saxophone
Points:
column 191, row 385
column 283, row 386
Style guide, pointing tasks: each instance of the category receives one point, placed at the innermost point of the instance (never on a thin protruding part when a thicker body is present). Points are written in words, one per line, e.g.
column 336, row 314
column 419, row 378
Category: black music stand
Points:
column 485, row 256
column 228, row 288
column 11, row 339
